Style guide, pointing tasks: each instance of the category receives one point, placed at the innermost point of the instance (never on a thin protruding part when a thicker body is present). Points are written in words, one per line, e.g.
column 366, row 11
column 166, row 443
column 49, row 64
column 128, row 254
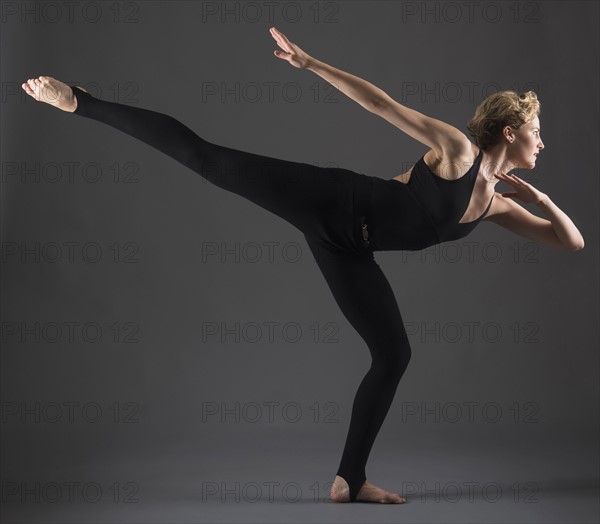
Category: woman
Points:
column 346, row 216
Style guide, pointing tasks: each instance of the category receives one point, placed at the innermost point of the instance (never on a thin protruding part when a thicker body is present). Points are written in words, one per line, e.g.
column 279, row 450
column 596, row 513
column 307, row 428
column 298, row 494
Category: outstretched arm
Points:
column 443, row 138
column 359, row 90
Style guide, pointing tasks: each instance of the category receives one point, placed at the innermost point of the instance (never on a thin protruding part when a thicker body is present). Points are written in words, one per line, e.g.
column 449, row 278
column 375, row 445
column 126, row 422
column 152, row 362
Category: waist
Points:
column 395, row 219
column 362, row 202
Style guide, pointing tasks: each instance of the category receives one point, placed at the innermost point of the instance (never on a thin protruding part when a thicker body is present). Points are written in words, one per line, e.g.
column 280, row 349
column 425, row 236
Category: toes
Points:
column 30, row 87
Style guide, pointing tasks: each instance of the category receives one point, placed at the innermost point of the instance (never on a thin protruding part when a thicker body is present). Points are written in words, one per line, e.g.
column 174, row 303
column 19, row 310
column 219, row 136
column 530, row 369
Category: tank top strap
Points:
column 474, row 170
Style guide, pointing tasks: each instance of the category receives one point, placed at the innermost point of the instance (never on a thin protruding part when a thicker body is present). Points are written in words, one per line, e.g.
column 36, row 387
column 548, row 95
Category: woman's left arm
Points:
column 562, row 224
column 559, row 231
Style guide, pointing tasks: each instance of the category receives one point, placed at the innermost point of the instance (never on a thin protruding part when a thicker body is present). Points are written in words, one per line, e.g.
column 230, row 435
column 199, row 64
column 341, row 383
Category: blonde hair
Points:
column 505, row 108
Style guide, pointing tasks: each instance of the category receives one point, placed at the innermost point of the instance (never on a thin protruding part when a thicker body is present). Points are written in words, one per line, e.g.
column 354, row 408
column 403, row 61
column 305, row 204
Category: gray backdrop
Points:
column 171, row 352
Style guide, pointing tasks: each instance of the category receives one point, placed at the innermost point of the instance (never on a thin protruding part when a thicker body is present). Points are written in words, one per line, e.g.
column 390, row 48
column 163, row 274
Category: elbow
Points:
column 571, row 245
column 577, row 246
column 378, row 104
column 580, row 244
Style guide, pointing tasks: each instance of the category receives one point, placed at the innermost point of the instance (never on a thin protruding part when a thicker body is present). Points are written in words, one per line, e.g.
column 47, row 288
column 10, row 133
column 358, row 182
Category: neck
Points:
column 496, row 161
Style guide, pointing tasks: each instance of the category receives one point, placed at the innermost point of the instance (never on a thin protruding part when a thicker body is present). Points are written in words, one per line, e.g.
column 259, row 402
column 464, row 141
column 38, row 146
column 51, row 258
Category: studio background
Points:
column 172, row 345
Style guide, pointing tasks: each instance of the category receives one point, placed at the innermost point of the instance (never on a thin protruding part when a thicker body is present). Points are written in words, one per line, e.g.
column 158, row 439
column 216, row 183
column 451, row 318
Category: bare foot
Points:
column 340, row 492
column 51, row 91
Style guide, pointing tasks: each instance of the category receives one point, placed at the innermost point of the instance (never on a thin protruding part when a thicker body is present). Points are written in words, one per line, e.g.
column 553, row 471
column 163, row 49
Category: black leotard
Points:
column 423, row 212
column 345, row 216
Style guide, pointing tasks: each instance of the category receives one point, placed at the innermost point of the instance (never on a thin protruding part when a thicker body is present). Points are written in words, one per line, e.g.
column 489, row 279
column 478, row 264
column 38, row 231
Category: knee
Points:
column 394, row 363
column 400, row 362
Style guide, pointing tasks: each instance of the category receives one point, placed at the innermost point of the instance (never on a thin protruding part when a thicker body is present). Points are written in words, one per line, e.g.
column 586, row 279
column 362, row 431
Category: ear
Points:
column 508, row 133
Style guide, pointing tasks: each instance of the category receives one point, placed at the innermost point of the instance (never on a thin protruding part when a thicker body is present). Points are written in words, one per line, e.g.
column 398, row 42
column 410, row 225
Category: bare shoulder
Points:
column 505, row 210
column 500, row 205
column 454, row 160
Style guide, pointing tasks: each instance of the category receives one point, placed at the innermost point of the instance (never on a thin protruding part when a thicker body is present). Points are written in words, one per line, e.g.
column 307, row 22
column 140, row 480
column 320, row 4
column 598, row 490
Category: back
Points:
column 446, row 201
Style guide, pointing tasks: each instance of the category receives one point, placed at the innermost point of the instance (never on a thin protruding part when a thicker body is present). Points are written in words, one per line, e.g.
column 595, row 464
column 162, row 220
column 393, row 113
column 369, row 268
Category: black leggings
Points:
column 320, row 202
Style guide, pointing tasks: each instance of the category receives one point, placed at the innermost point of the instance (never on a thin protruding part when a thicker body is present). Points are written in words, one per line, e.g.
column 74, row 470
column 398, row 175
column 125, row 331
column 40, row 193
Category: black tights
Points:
column 319, row 202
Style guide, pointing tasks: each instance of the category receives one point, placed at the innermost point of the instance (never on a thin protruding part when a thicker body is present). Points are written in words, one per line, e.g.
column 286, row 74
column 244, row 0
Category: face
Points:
column 527, row 144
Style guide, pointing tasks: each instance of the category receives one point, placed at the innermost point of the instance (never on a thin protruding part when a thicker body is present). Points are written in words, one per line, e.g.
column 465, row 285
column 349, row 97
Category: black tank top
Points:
column 423, row 212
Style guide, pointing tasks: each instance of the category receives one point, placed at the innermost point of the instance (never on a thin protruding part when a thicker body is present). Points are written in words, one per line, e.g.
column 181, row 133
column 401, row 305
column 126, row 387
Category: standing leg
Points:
column 366, row 299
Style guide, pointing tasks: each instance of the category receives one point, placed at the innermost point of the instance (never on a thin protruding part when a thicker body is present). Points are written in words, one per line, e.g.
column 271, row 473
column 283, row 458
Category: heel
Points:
column 81, row 96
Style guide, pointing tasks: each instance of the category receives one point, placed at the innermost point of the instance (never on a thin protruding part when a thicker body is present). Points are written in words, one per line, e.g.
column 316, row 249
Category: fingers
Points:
column 279, row 34
column 505, row 178
column 282, row 45
column 275, row 34
column 510, row 179
column 519, row 183
column 281, row 40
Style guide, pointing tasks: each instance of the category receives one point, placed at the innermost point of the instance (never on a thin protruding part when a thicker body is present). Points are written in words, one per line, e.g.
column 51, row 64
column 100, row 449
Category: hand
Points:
column 523, row 190
column 291, row 52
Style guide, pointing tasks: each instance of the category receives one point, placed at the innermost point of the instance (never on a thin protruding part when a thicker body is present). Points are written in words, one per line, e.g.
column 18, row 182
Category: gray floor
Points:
column 286, row 481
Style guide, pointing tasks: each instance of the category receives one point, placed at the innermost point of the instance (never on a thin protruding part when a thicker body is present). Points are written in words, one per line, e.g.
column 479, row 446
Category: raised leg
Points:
column 302, row 194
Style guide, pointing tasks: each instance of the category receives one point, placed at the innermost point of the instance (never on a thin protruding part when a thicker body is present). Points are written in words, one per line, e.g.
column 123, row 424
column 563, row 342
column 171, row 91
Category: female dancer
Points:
column 346, row 216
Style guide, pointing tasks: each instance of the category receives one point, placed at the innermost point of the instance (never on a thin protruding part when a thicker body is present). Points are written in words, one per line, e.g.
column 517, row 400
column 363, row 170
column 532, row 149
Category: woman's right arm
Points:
column 361, row 91
column 446, row 140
